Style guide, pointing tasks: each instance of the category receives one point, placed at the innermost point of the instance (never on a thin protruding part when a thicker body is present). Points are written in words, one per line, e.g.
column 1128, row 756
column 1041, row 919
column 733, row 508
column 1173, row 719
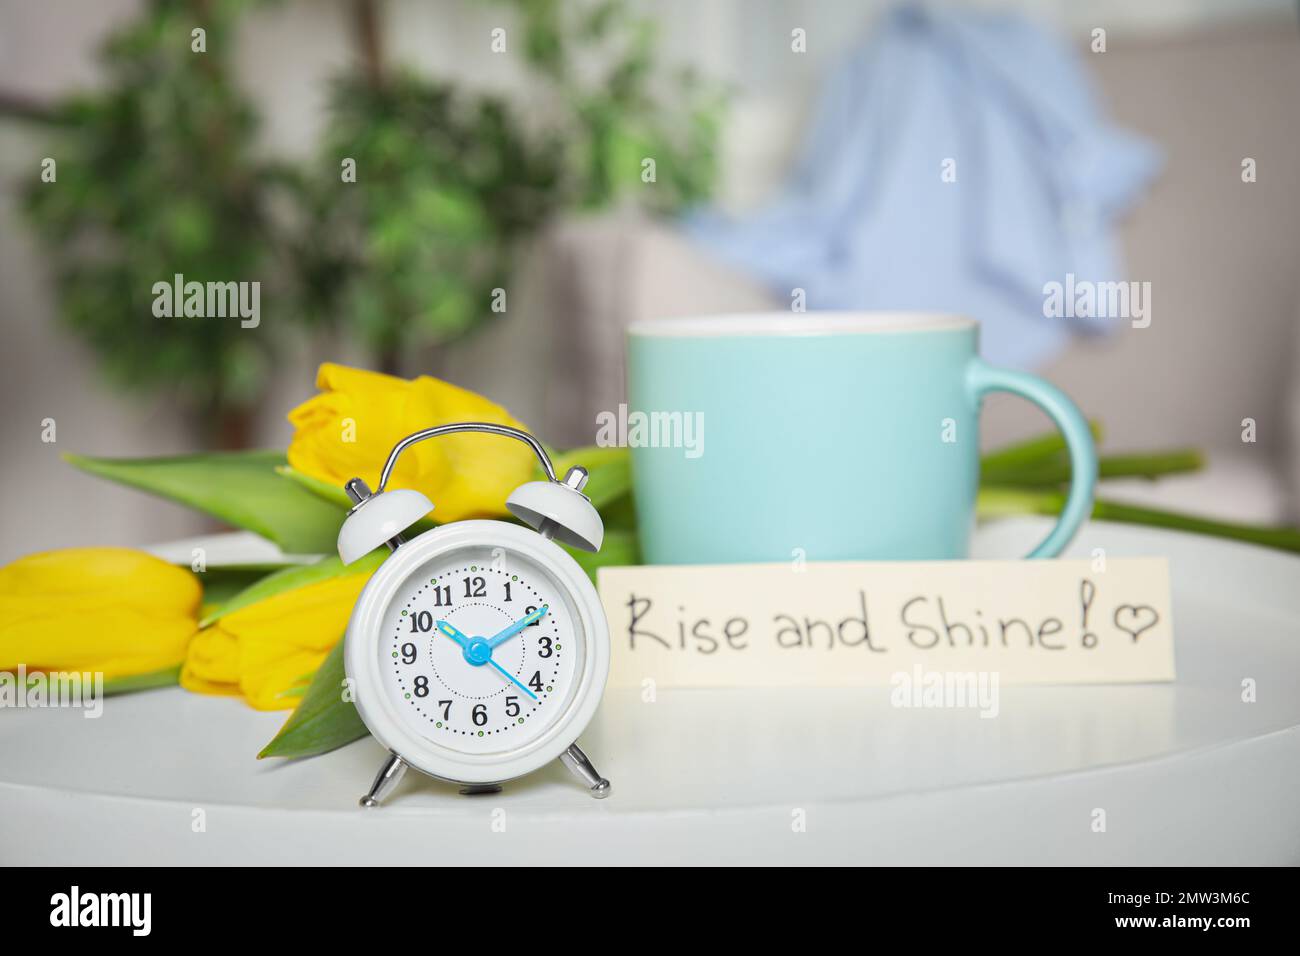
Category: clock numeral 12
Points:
column 479, row 588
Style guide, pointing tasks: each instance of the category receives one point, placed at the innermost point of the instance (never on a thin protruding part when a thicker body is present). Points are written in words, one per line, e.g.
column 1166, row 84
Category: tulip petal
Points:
column 116, row 611
column 213, row 657
column 349, row 430
column 267, row 639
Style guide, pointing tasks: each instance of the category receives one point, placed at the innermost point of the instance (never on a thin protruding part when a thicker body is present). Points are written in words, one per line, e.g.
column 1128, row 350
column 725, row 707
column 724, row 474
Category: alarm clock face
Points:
column 478, row 651
column 481, row 647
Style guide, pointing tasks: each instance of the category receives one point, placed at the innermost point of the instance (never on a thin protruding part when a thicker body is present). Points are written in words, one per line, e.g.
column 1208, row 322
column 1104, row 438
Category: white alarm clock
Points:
column 478, row 651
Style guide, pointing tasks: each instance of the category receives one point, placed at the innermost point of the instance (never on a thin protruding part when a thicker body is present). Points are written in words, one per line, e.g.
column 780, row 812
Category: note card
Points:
column 853, row 623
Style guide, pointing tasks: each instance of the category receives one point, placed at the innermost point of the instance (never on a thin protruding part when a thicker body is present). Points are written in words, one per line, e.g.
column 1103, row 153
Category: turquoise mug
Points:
column 827, row 436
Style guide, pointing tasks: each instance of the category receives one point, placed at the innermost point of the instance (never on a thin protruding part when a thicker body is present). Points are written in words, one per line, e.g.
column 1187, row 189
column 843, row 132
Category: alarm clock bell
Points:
column 378, row 519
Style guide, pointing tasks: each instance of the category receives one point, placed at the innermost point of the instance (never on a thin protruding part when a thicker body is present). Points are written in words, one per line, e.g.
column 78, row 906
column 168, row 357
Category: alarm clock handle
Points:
column 577, row 762
column 487, row 428
column 557, row 509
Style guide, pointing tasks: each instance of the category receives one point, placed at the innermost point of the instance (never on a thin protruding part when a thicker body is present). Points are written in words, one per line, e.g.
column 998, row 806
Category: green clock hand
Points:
column 454, row 634
column 511, row 678
column 518, row 626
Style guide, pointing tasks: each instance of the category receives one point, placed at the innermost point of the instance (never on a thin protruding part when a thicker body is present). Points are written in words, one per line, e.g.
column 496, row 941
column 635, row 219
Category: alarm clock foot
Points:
column 476, row 789
column 581, row 767
column 385, row 781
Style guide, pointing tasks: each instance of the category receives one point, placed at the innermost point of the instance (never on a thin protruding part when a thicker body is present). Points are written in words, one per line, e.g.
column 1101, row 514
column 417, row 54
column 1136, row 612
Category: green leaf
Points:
column 223, row 583
column 167, row 677
column 619, row 515
column 293, row 577
column 334, row 494
column 330, row 493
column 619, row 548
column 324, row 721
column 240, row 488
column 609, row 469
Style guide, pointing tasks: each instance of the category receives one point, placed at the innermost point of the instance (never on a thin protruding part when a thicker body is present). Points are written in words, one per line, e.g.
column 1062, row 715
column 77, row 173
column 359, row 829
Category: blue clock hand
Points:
column 512, row 679
column 454, row 634
column 478, row 652
column 518, row 626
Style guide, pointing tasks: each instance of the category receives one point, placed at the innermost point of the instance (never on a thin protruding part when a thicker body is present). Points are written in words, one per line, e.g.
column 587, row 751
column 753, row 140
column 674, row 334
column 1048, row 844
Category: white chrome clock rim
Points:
column 361, row 654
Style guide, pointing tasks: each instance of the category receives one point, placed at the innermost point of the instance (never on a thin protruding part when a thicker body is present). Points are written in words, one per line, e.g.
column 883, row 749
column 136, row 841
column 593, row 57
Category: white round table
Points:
column 1187, row 773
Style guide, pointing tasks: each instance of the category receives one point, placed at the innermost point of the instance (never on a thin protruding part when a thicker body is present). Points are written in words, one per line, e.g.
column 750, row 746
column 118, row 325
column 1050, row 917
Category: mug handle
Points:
column 983, row 378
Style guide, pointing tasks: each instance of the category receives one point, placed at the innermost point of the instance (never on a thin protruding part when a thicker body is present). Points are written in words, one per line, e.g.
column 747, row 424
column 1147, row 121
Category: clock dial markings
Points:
column 477, row 653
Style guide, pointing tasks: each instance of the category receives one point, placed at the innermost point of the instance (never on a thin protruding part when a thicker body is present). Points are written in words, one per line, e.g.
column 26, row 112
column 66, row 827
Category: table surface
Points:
column 1181, row 773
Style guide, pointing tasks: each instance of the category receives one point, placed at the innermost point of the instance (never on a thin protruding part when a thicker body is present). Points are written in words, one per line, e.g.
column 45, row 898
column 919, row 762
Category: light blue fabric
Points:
column 866, row 220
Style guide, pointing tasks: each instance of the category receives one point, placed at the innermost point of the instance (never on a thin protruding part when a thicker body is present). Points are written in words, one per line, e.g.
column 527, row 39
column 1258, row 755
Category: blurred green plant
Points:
column 445, row 186
column 448, row 182
column 614, row 119
column 155, row 177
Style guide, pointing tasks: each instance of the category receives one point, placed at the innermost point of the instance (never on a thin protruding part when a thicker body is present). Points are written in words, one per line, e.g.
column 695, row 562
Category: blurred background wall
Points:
column 1210, row 81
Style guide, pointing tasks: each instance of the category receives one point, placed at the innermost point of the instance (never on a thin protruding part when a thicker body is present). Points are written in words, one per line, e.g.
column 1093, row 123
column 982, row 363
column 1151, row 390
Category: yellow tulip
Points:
column 268, row 651
column 114, row 611
column 349, row 429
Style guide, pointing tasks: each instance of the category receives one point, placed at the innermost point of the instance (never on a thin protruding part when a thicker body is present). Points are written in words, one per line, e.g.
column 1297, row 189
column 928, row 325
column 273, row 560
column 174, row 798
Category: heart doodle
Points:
column 1141, row 617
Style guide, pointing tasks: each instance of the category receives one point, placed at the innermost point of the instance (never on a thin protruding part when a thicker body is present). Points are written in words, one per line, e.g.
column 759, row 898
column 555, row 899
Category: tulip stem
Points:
column 1002, row 502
